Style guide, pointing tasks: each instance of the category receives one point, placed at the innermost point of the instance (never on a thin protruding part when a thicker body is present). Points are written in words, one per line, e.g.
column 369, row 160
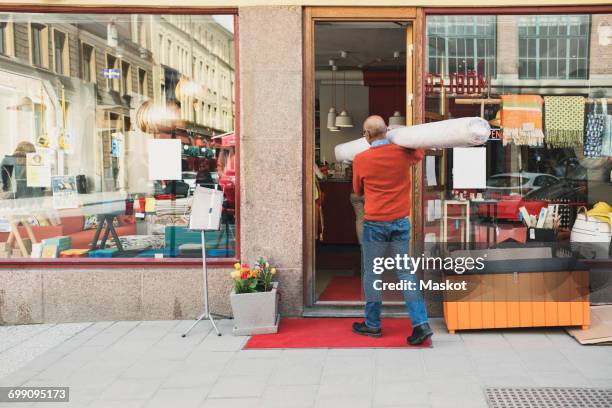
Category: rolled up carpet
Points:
column 347, row 151
column 461, row 132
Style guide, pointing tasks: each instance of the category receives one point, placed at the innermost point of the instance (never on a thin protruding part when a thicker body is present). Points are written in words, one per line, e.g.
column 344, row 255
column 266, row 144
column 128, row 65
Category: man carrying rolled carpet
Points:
column 383, row 175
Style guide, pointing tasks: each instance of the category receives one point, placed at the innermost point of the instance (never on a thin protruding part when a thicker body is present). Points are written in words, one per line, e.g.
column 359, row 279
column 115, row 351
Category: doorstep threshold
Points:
column 350, row 311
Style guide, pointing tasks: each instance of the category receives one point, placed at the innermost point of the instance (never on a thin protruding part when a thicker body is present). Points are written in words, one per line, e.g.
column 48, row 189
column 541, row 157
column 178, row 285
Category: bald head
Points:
column 374, row 127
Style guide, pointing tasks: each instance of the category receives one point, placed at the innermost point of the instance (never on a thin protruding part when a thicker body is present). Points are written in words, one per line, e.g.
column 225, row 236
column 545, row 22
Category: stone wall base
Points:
column 85, row 295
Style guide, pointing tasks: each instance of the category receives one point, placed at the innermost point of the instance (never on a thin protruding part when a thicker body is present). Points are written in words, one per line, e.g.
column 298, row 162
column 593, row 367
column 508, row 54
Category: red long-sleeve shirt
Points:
column 383, row 175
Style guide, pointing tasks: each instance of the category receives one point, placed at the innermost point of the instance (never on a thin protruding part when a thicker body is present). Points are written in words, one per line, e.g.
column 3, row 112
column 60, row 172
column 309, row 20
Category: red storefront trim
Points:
column 117, row 263
column 114, row 9
column 594, row 9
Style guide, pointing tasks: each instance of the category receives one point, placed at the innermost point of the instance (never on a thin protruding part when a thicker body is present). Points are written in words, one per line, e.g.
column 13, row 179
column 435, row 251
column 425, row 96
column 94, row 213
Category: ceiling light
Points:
column 331, row 118
column 344, row 119
column 397, row 119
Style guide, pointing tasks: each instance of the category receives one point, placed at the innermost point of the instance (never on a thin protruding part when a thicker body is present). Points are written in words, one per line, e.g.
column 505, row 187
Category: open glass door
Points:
column 361, row 68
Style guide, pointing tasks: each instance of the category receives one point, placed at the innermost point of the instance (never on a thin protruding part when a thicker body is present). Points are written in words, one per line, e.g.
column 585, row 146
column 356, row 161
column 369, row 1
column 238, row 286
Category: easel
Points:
column 205, row 216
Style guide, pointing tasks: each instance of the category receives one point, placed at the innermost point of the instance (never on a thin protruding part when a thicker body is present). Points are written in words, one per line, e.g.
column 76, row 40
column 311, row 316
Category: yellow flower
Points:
column 273, row 271
column 235, row 275
column 237, row 265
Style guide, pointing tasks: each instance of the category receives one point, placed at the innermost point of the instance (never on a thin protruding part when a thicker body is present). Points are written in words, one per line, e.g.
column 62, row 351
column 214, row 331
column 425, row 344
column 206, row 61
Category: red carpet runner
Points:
column 315, row 332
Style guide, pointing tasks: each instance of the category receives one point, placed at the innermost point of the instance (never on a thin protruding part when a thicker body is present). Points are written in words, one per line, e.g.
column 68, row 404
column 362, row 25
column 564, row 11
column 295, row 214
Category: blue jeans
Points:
column 389, row 239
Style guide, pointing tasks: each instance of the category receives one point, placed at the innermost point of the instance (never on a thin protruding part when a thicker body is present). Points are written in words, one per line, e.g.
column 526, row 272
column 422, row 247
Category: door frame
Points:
column 415, row 109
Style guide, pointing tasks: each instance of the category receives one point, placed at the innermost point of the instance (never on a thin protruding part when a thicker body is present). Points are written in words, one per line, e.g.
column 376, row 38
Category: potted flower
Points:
column 254, row 299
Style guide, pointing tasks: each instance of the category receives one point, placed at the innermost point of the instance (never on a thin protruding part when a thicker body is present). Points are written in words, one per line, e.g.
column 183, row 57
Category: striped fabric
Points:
column 521, row 120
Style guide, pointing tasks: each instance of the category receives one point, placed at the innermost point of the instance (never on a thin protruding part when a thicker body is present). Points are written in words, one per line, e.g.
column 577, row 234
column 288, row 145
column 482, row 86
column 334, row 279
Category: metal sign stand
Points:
column 204, row 225
column 206, row 314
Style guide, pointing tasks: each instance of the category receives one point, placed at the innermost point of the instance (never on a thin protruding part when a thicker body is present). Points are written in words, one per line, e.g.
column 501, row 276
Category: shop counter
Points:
column 338, row 214
column 521, row 293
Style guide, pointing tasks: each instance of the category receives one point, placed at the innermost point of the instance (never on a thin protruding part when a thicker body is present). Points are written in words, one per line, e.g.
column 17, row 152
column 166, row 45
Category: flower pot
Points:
column 255, row 313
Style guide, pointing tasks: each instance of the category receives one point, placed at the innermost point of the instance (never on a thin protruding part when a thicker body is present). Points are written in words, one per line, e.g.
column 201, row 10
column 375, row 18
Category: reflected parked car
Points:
column 505, row 184
column 189, row 177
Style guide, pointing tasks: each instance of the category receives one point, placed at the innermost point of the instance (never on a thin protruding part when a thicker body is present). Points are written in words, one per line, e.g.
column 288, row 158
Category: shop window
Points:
column 554, row 47
column 39, row 42
column 79, row 174
column 88, row 63
column 458, row 44
column 61, row 58
column 545, row 150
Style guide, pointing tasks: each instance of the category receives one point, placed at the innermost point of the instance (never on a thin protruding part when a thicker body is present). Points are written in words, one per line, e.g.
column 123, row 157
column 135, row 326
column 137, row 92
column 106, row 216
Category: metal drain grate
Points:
column 549, row 397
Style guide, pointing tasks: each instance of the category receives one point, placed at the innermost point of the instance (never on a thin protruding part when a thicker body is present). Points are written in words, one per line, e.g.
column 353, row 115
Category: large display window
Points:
column 543, row 180
column 109, row 122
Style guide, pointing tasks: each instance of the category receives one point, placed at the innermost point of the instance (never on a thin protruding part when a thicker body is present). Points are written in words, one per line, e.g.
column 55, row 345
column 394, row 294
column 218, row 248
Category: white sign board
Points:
column 206, row 209
column 469, row 167
column 165, row 159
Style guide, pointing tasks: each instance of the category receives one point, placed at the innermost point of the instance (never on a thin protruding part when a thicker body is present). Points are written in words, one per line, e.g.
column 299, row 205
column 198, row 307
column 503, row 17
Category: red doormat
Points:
column 325, row 332
column 343, row 288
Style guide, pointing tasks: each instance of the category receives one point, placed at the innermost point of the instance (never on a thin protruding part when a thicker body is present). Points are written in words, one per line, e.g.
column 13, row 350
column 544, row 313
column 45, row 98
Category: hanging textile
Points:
column 606, row 144
column 595, row 128
column 521, row 120
column 564, row 121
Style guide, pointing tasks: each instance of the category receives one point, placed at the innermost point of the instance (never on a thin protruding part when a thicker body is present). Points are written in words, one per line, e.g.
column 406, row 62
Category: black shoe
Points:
column 361, row 328
column 420, row 334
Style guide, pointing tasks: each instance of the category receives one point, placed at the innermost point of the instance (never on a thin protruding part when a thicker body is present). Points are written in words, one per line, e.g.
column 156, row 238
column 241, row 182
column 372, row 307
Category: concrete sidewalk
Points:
column 148, row 364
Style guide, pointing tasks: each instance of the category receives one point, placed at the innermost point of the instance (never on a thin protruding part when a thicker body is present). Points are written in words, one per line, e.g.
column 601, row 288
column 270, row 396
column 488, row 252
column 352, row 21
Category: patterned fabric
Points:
column 595, row 128
column 606, row 144
column 521, row 120
column 564, row 121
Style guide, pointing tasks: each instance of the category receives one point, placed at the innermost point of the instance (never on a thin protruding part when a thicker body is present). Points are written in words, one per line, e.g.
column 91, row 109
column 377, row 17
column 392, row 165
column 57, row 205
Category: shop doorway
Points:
column 359, row 62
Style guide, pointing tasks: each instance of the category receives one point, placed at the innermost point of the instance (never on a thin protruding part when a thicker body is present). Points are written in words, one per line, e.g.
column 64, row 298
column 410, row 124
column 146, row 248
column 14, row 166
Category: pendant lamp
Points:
column 397, row 119
column 344, row 120
column 331, row 115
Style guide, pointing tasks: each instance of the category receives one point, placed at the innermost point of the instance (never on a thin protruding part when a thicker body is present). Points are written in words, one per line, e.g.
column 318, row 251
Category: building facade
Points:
column 268, row 83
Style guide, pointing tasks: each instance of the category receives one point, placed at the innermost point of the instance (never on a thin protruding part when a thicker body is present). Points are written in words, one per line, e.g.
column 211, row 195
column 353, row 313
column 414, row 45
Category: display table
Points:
column 521, row 293
column 491, row 222
column 105, row 206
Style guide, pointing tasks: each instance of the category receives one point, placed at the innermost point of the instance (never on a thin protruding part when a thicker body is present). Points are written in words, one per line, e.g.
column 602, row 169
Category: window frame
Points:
column 143, row 90
column 126, row 85
column 110, row 82
column 93, row 78
column 567, row 59
column 43, row 45
column 8, row 40
column 474, row 37
column 65, row 52
column 163, row 263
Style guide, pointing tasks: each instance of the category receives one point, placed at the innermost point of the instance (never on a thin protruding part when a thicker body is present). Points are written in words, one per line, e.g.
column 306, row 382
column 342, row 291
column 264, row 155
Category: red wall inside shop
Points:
column 387, row 92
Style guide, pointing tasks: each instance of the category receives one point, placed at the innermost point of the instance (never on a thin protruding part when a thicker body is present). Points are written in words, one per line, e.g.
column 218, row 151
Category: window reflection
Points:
column 83, row 101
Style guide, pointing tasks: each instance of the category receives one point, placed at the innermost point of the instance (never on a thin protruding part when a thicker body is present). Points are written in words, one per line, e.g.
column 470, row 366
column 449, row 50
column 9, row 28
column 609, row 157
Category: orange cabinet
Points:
column 518, row 299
